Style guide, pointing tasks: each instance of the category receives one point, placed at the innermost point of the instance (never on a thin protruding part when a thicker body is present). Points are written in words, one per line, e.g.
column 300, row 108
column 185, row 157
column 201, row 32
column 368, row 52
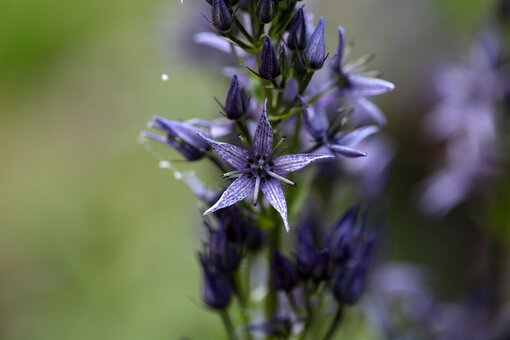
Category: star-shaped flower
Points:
column 258, row 169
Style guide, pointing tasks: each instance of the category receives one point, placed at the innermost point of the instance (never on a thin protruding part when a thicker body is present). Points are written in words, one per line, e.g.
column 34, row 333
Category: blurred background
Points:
column 97, row 242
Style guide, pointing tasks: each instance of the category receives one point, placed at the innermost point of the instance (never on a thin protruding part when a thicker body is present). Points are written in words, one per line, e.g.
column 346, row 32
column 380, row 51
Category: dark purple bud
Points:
column 297, row 31
column 180, row 136
column 221, row 253
column 349, row 279
column 342, row 234
column 283, row 272
column 216, row 287
column 235, row 104
column 305, row 249
column 315, row 50
column 321, row 266
column 221, row 17
column 336, row 62
column 269, row 67
column 282, row 60
column 265, row 11
column 255, row 239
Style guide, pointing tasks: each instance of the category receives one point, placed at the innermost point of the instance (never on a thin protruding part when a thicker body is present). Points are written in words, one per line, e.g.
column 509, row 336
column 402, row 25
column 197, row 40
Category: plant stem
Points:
column 336, row 322
column 271, row 299
column 229, row 327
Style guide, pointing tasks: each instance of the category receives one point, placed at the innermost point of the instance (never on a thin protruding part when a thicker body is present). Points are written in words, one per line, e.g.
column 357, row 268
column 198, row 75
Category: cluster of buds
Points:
column 289, row 107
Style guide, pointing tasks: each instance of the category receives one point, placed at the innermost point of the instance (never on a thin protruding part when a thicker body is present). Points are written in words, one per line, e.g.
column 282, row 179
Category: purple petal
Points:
column 315, row 120
column 238, row 190
column 181, row 130
column 274, row 195
column 356, row 136
column 289, row 163
column 367, row 86
column 263, row 138
column 234, row 155
column 368, row 108
column 346, row 151
column 215, row 41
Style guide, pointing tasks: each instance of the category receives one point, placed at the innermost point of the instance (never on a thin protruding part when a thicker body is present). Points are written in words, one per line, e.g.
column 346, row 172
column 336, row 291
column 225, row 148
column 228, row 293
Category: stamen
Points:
column 230, row 174
column 243, row 140
column 256, row 191
column 278, row 177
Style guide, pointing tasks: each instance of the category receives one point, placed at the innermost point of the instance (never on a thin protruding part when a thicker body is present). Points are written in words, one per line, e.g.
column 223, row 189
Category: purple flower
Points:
column 258, row 169
column 181, row 136
column 216, row 286
column 355, row 87
column 269, row 66
column 341, row 143
column 297, row 31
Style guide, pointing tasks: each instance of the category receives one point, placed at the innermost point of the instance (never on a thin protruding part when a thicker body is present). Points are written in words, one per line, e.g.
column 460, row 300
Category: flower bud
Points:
column 179, row 135
column 221, row 17
column 315, row 50
column 283, row 272
column 297, row 31
column 222, row 254
column 235, row 104
column 269, row 67
column 216, row 287
column 265, row 11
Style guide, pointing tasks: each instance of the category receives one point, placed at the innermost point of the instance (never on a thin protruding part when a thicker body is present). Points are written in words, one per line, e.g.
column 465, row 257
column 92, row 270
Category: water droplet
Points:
column 164, row 164
column 178, row 175
column 164, row 76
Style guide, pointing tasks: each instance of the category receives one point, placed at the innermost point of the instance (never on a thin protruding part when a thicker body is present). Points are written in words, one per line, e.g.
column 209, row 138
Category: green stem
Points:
column 335, row 323
column 229, row 327
column 271, row 298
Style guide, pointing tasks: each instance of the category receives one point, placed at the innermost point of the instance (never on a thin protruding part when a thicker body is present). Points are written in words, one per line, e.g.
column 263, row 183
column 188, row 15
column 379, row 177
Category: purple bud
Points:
column 315, row 50
column 321, row 266
column 265, row 11
column 235, row 104
column 221, row 253
column 216, row 287
column 336, row 62
column 180, row 136
column 342, row 234
column 269, row 67
column 349, row 279
column 221, row 17
column 297, row 31
column 283, row 272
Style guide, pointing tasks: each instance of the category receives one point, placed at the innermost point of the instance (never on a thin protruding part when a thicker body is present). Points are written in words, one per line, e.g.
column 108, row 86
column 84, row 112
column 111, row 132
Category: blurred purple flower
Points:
column 465, row 120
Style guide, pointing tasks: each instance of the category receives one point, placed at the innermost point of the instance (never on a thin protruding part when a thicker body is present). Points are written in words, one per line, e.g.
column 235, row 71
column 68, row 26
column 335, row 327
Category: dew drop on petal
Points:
column 164, row 76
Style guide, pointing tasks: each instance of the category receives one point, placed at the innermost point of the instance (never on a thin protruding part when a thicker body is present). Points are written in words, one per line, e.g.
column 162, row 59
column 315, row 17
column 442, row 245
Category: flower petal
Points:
column 345, row 151
column 274, row 195
column 368, row 108
column 215, row 41
column 238, row 190
column 289, row 163
column 263, row 138
column 355, row 136
column 368, row 86
column 234, row 155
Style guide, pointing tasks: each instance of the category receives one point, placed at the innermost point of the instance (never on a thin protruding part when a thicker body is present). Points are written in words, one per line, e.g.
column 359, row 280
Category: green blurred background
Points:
column 96, row 241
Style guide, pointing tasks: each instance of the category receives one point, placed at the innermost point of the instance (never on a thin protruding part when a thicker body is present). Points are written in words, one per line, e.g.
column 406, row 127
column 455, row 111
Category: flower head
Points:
column 315, row 50
column 355, row 87
column 258, row 169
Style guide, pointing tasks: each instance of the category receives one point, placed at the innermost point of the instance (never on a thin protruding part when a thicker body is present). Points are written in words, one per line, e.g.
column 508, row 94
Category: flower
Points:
column 316, row 122
column 265, row 11
column 182, row 136
column 179, row 135
column 220, row 15
column 355, row 87
column 235, row 104
column 216, row 286
column 297, row 31
column 284, row 275
column 258, row 169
